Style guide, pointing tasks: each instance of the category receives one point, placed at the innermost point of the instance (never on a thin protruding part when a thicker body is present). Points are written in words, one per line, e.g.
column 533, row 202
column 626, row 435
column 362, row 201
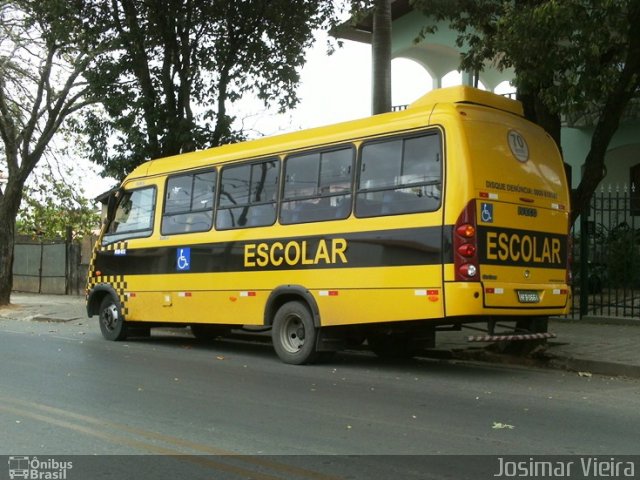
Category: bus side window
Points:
column 248, row 195
column 188, row 204
column 401, row 175
column 133, row 217
column 317, row 186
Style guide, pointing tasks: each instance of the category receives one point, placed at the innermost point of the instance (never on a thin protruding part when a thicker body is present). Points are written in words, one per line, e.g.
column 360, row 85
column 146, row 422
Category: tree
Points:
column 569, row 56
column 54, row 203
column 178, row 66
column 41, row 63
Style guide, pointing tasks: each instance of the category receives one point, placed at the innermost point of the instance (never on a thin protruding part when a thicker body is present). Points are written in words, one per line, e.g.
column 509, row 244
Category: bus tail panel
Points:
column 522, row 255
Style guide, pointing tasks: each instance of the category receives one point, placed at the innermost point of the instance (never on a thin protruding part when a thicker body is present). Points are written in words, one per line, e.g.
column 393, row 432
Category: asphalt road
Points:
column 66, row 391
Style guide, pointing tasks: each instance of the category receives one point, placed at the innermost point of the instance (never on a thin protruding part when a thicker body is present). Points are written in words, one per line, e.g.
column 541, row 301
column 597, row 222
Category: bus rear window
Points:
column 400, row 175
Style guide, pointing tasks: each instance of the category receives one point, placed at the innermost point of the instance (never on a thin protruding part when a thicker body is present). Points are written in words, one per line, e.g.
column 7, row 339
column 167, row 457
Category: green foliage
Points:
column 623, row 254
column 569, row 52
column 174, row 70
column 569, row 56
column 52, row 205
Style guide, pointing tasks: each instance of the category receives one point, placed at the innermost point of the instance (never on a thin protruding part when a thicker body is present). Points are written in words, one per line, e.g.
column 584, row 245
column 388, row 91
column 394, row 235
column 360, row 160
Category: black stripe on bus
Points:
column 384, row 248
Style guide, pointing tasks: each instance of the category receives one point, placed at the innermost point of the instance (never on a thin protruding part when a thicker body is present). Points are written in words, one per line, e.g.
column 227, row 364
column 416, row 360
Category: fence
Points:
column 606, row 254
column 54, row 267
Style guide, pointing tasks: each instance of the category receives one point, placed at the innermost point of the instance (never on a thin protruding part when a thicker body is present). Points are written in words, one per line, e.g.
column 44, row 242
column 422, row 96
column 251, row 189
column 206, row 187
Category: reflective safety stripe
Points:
column 499, row 338
column 328, row 293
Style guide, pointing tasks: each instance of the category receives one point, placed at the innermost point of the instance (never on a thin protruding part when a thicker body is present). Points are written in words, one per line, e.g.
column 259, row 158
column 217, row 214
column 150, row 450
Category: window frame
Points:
column 357, row 191
column 319, row 150
column 108, row 238
column 192, row 174
column 251, row 163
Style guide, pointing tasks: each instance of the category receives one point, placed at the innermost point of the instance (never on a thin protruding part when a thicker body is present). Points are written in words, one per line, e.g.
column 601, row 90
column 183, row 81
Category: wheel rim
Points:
column 110, row 317
column 292, row 334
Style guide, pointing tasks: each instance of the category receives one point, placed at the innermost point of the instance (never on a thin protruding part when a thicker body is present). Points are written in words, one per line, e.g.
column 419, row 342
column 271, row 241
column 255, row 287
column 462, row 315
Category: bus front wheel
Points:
column 112, row 323
column 294, row 334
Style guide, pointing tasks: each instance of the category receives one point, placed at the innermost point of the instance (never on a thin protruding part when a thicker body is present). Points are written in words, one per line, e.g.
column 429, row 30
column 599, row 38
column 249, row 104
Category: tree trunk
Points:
column 9, row 205
column 6, row 259
column 381, row 57
column 614, row 106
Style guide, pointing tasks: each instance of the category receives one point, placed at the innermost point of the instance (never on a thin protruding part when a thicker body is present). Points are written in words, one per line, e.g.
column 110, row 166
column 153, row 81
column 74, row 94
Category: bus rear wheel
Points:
column 112, row 323
column 527, row 325
column 294, row 334
column 392, row 345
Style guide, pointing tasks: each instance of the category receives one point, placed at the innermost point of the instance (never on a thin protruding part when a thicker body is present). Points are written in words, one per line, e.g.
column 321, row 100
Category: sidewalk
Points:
column 586, row 347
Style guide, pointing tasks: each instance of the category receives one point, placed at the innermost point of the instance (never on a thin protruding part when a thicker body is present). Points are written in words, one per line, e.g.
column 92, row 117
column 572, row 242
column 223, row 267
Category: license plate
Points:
column 528, row 296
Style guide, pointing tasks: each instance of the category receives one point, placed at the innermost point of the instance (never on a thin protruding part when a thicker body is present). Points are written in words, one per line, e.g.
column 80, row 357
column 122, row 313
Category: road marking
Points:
column 148, row 446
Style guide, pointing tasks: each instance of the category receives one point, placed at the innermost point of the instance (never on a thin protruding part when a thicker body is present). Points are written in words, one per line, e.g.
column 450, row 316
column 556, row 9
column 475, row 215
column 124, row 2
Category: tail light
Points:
column 569, row 275
column 465, row 245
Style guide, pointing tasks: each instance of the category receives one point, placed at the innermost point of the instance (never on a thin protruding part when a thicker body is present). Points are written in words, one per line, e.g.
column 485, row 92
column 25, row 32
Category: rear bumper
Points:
column 480, row 299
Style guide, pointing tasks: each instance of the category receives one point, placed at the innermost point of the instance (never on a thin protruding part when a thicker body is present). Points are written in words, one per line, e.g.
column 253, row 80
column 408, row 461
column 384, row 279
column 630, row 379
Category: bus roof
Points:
column 464, row 94
column 336, row 133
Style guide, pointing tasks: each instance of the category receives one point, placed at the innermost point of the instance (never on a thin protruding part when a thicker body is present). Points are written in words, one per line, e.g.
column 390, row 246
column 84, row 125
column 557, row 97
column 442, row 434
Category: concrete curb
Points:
column 543, row 360
column 597, row 367
column 590, row 320
column 44, row 318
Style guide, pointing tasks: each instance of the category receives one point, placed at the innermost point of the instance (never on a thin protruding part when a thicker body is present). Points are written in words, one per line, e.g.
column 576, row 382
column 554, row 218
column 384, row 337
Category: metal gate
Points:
column 606, row 255
column 40, row 267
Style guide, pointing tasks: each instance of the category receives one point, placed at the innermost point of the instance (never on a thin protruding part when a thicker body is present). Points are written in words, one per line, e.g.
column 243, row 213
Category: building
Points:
column 439, row 56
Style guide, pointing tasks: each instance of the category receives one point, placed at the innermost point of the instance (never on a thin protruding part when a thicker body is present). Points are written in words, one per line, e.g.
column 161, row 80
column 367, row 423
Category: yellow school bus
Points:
column 381, row 230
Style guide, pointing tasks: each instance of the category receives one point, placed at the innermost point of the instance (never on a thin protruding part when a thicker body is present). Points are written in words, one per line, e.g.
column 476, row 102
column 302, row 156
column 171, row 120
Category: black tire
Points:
column 522, row 348
column 294, row 334
column 138, row 330
column 112, row 323
column 532, row 325
column 205, row 332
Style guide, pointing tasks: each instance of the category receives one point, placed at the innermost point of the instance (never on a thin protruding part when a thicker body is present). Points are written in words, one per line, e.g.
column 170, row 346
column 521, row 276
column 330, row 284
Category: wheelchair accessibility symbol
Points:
column 486, row 213
column 183, row 259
